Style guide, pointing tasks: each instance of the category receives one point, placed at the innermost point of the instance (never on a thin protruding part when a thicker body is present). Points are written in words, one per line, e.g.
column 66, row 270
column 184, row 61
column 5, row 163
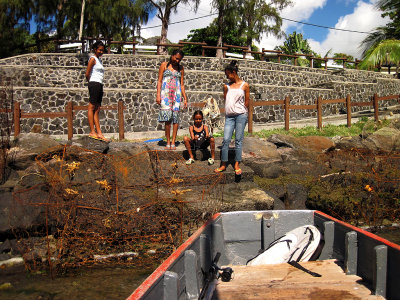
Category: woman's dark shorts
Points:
column 95, row 92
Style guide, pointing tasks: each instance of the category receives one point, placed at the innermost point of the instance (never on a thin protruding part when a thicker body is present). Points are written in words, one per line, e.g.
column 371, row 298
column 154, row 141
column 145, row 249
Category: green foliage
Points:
column 14, row 25
column 391, row 9
column 259, row 17
column 363, row 126
column 209, row 35
column 295, row 44
column 340, row 62
column 385, row 52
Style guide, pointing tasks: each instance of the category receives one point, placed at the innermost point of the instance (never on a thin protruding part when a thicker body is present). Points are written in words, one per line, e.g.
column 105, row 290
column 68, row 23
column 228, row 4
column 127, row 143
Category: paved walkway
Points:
column 389, row 112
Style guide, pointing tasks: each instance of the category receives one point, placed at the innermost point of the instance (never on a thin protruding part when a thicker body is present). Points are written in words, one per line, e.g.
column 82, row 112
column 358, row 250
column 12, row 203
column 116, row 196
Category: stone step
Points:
column 190, row 63
column 145, row 78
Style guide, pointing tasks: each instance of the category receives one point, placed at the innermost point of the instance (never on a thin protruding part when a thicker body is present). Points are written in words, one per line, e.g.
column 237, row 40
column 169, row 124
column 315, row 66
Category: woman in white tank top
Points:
column 237, row 96
column 95, row 75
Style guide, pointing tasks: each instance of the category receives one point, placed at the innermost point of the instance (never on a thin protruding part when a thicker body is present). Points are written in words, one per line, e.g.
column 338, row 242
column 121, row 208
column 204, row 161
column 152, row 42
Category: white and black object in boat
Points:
column 296, row 245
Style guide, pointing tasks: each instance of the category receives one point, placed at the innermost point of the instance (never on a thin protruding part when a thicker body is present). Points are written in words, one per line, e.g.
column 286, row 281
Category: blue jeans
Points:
column 237, row 123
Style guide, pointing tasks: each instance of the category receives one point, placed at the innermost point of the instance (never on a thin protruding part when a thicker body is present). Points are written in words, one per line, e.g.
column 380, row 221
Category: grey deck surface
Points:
column 282, row 281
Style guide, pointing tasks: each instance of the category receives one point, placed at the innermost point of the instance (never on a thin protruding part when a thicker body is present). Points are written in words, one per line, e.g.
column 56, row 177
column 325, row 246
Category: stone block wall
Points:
column 46, row 82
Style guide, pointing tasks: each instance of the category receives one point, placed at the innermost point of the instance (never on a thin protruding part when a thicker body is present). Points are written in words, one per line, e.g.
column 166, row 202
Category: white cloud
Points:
column 180, row 31
column 365, row 18
column 300, row 10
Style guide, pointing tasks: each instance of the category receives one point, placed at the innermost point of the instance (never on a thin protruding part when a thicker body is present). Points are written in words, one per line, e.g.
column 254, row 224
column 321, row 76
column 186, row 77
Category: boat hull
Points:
column 238, row 236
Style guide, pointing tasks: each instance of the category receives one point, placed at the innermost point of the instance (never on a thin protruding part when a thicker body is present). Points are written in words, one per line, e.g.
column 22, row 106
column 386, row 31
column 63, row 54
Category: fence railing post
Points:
column 376, row 112
column 17, row 118
column 348, row 109
column 251, row 110
column 121, row 119
column 70, row 119
column 287, row 114
column 319, row 112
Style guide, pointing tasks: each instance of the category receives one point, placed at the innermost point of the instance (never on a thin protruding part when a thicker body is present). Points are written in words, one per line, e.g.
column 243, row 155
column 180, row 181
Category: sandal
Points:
column 219, row 170
column 94, row 137
column 210, row 161
column 104, row 139
column 190, row 161
column 173, row 147
column 168, row 147
column 238, row 171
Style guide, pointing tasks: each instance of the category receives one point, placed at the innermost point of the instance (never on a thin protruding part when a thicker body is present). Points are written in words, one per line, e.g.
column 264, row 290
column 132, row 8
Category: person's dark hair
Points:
column 198, row 112
column 97, row 45
column 232, row 67
column 176, row 51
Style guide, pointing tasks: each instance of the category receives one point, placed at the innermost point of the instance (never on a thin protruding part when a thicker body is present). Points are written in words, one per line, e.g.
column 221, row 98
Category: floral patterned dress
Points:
column 171, row 96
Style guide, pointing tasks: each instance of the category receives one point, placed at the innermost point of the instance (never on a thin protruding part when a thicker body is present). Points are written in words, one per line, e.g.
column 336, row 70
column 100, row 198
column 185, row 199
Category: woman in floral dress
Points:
column 170, row 92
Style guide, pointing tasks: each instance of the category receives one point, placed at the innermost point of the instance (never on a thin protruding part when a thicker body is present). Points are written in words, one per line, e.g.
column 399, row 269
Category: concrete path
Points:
column 388, row 112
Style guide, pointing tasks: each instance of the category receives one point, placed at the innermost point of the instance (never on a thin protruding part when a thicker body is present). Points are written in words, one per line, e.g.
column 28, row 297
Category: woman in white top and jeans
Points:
column 237, row 96
column 95, row 75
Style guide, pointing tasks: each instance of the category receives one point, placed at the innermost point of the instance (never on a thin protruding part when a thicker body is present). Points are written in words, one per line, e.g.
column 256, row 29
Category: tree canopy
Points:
column 117, row 19
column 259, row 17
column 391, row 9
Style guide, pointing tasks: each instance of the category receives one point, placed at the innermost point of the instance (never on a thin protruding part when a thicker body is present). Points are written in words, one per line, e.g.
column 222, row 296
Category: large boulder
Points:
column 26, row 147
column 386, row 138
column 260, row 148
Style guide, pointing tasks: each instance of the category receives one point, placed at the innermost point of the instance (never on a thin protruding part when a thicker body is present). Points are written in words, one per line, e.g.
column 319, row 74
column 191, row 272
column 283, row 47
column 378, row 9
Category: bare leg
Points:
column 97, row 121
column 222, row 167
column 174, row 132
column 186, row 140
column 168, row 132
column 91, row 112
column 212, row 147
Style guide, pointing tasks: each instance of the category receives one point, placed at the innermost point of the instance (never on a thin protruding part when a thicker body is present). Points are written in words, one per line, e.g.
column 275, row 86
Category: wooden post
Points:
column 203, row 51
column 287, row 115
column 279, row 58
column 295, row 61
column 251, row 109
column 121, row 119
column 376, row 112
column 348, row 108
column 319, row 112
column 70, row 119
column 326, row 64
column 17, row 120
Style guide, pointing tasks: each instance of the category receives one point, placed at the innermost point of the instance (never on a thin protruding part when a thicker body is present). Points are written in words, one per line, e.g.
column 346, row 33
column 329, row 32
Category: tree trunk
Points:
column 164, row 31
column 220, row 53
column 81, row 22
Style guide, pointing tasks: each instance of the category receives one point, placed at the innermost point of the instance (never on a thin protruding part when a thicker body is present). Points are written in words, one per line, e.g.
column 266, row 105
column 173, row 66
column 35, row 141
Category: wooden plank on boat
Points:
column 283, row 281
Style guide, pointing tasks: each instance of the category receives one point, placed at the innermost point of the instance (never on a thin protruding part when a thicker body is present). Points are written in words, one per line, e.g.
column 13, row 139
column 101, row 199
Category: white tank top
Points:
column 97, row 73
column 234, row 102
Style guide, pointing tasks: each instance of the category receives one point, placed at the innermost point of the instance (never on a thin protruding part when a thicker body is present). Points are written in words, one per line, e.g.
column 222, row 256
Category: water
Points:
column 86, row 283
column 392, row 234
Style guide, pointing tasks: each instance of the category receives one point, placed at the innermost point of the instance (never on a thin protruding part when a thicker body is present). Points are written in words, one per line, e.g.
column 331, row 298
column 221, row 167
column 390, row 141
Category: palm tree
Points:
column 165, row 8
column 391, row 9
column 226, row 14
column 259, row 17
column 385, row 52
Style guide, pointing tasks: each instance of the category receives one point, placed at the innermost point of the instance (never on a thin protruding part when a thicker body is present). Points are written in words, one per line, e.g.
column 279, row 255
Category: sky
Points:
column 355, row 15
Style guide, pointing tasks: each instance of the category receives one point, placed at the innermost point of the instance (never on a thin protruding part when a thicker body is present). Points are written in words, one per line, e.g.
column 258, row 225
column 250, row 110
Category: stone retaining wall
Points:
column 46, row 82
